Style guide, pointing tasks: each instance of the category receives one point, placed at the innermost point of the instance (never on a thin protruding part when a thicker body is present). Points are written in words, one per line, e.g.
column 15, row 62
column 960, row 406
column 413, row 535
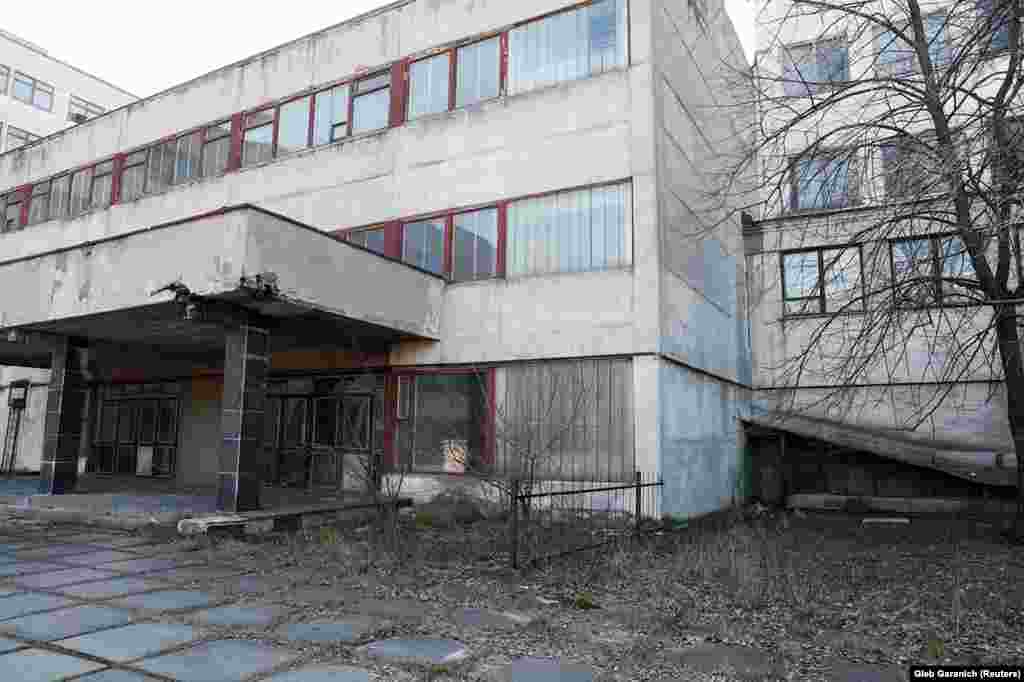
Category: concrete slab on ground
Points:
column 343, row 631
column 106, row 589
column 36, row 665
column 240, row 616
column 30, row 602
column 132, row 641
column 53, row 625
column 544, row 670
column 421, row 651
column 222, row 660
column 170, row 600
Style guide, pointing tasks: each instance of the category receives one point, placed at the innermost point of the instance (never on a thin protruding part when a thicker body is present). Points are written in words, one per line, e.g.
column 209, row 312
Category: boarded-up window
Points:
column 567, row 420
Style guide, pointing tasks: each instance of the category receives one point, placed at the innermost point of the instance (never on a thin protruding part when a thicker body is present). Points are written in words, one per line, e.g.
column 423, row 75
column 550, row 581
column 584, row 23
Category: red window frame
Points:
column 248, row 125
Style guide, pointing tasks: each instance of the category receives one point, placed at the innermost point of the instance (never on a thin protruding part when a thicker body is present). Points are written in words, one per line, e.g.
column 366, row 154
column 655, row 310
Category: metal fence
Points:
column 550, row 519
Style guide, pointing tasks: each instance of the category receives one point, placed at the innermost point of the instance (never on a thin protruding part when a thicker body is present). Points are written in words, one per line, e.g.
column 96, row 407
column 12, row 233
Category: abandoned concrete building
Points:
column 923, row 418
column 394, row 241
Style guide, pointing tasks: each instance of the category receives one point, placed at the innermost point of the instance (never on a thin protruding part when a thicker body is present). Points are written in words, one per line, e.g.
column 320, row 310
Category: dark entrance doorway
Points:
column 325, row 432
column 136, row 429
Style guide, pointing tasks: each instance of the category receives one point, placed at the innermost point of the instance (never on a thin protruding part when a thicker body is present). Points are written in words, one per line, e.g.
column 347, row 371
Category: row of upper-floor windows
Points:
column 920, row 271
column 575, row 230
column 40, row 95
column 823, row 64
column 578, row 42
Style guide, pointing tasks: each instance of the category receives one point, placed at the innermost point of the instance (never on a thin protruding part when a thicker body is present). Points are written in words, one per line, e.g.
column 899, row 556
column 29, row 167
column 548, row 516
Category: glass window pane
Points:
column 187, row 152
column 370, row 112
column 12, row 215
column 259, row 118
column 842, row 279
column 370, row 239
column 160, row 169
column 59, row 190
column 22, row 89
column 800, row 271
column 133, row 181
column 43, row 98
column 957, row 270
column 914, row 270
column 822, row 183
column 571, row 231
column 257, row 145
column 475, row 245
column 479, row 67
column 381, row 80
column 293, row 126
column 218, row 130
column 101, row 186
column 833, row 61
column 39, row 208
column 429, row 85
column 423, row 244
column 450, row 413
column 167, row 429
column 81, row 191
column 215, row 156
column 331, row 115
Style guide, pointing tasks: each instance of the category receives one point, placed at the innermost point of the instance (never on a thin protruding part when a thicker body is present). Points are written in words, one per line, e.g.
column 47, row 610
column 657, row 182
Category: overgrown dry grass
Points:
column 806, row 590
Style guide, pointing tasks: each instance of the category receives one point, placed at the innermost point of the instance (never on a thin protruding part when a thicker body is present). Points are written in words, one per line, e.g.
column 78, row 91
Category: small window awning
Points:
column 240, row 262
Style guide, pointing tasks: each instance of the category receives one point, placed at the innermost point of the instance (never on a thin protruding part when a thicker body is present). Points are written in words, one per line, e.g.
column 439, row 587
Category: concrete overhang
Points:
column 310, row 288
column 985, row 466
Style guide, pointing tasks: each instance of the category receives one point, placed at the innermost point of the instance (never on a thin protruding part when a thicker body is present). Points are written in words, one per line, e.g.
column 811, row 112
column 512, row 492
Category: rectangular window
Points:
column 936, row 269
column 160, row 166
column 909, row 168
column 79, row 110
column 133, row 176
column 896, row 57
column 590, row 229
column 187, row 151
column 11, row 203
column 60, row 190
column 995, row 16
column 429, row 85
column 475, row 245
column 567, row 46
column 102, row 182
column 39, row 207
column 31, row 91
column 81, row 191
column 17, row 138
column 815, row 67
column 372, row 239
column 423, row 244
column 479, row 72
column 447, row 422
column 805, row 291
column 821, row 183
column 371, row 103
column 216, row 149
column 258, row 138
column 5, row 75
column 580, row 410
column 293, row 126
column 331, row 120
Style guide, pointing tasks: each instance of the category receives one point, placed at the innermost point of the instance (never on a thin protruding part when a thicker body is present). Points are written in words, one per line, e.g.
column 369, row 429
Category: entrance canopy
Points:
column 177, row 285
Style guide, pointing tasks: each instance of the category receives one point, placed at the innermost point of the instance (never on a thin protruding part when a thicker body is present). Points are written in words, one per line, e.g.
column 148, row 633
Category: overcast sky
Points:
column 148, row 47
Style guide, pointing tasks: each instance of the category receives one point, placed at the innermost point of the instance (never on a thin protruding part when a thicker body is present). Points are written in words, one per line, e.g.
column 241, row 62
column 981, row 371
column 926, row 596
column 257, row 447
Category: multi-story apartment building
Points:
column 380, row 241
column 39, row 96
column 856, row 207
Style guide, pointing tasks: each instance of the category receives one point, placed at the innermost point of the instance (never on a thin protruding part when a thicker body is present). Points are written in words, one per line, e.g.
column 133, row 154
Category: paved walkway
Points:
column 100, row 606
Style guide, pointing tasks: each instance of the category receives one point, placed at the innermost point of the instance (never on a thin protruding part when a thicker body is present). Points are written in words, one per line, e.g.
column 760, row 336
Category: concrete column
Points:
column 246, row 362
column 66, row 400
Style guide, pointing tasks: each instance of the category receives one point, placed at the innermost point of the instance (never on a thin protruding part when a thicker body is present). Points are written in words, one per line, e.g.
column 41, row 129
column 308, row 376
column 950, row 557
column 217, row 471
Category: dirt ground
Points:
column 765, row 596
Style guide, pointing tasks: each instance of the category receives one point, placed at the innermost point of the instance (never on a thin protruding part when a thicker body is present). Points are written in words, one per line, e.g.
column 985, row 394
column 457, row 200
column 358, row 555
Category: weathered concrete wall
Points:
column 199, row 433
column 30, row 432
column 701, row 441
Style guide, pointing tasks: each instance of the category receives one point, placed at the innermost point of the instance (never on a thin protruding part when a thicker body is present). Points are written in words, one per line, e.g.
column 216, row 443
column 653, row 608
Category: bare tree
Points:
column 912, row 136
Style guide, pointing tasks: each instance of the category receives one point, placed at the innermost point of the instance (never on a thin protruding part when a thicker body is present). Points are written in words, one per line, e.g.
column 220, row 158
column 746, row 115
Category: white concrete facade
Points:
column 673, row 305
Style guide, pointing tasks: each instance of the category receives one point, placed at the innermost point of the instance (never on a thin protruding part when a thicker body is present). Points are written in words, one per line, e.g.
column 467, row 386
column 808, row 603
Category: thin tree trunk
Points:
column 1013, row 372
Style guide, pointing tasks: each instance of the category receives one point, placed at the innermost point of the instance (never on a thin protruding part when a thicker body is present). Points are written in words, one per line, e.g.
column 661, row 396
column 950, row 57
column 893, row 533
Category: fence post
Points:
column 636, row 501
column 515, row 523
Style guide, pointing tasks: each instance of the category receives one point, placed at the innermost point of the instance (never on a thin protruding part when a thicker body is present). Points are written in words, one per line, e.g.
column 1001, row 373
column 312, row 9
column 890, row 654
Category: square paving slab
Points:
column 544, row 670
column 328, row 631
column 52, row 625
column 35, row 665
column 69, row 576
column 240, row 616
column 132, row 641
column 55, row 551
column 171, row 600
column 218, row 661
column 117, row 587
column 29, row 602
column 422, row 651
column 8, row 645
